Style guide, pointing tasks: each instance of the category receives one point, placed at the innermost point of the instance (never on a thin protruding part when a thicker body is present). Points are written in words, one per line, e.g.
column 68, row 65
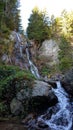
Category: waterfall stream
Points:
column 33, row 68
column 62, row 113
column 62, row 117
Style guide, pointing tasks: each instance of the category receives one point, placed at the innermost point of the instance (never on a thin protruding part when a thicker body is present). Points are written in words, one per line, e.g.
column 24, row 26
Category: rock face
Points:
column 68, row 82
column 47, row 54
column 17, row 54
column 49, row 51
column 35, row 98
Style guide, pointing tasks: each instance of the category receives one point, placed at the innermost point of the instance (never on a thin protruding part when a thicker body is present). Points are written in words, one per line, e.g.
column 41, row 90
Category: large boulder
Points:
column 37, row 97
column 40, row 88
column 67, row 82
column 49, row 52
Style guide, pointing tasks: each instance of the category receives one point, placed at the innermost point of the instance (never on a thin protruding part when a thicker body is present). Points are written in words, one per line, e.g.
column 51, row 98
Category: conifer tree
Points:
column 38, row 27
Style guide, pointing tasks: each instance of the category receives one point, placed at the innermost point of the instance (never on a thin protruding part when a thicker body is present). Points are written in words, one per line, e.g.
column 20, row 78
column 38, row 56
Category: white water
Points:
column 62, row 119
column 18, row 43
column 33, row 68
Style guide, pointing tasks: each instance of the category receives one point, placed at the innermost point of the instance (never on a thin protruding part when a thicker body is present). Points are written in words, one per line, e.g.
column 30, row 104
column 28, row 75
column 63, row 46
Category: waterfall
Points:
column 18, row 44
column 33, row 68
column 61, row 118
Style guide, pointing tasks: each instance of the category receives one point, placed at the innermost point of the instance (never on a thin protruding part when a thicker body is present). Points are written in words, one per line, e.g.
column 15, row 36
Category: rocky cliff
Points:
column 46, row 55
column 49, row 52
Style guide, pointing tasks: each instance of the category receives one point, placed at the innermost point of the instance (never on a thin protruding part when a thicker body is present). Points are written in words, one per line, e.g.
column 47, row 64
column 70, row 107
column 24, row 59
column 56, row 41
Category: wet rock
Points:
column 29, row 117
column 50, row 82
column 52, row 98
column 33, row 123
column 42, row 125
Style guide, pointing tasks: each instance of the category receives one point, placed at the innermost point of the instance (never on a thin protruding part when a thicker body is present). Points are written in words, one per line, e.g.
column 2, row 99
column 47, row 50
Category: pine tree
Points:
column 9, row 14
column 38, row 27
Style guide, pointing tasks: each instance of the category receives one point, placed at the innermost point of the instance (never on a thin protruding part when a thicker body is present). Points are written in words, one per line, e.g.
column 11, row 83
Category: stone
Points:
column 35, row 98
column 49, row 51
column 16, row 107
column 50, row 82
column 40, row 88
column 23, row 94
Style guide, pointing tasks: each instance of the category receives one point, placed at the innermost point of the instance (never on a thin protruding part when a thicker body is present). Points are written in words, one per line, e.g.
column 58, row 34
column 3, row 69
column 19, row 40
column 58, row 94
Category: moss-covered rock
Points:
column 21, row 94
column 12, row 81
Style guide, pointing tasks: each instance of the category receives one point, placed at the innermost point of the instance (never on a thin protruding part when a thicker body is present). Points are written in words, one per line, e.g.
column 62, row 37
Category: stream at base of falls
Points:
column 62, row 113
column 58, row 117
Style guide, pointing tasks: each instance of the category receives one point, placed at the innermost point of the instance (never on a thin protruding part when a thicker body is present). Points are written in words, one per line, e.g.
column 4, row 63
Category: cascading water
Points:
column 18, row 44
column 33, row 68
column 61, row 118
column 61, row 114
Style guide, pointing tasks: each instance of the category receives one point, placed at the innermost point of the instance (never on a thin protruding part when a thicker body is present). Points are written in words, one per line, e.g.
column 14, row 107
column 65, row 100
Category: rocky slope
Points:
column 44, row 57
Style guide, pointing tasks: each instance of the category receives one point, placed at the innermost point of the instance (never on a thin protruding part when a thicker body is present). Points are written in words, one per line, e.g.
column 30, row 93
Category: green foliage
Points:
column 12, row 80
column 9, row 15
column 67, row 23
column 38, row 27
column 6, row 45
column 65, row 64
column 49, row 71
column 55, row 27
column 45, row 70
column 65, row 54
column 62, row 25
column 3, row 108
column 6, row 71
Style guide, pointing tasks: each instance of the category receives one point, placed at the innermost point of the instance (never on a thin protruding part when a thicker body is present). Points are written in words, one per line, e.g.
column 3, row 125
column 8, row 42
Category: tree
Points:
column 55, row 26
column 9, row 14
column 65, row 54
column 38, row 26
column 2, row 5
column 67, row 23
